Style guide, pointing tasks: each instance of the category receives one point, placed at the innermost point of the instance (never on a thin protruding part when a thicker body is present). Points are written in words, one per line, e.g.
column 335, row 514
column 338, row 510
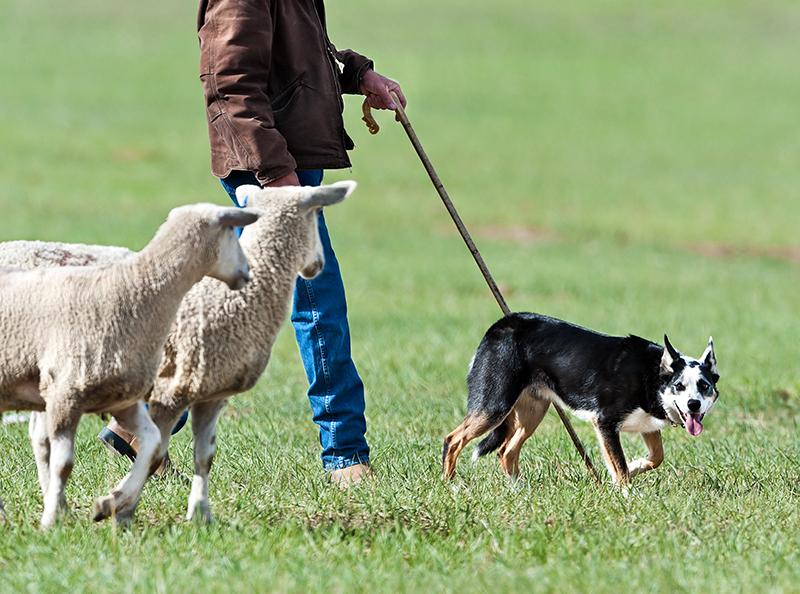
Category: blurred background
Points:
column 629, row 166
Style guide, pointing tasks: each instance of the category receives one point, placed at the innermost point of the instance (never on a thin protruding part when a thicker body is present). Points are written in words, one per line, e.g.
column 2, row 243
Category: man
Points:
column 273, row 85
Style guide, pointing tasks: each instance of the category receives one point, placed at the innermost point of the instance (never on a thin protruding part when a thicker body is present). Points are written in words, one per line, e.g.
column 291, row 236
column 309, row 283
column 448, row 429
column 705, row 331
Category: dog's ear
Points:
column 709, row 360
column 673, row 352
column 669, row 357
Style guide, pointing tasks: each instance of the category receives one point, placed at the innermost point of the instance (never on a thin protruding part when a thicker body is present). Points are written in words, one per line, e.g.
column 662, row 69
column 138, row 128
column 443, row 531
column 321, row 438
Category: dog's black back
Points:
column 606, row 376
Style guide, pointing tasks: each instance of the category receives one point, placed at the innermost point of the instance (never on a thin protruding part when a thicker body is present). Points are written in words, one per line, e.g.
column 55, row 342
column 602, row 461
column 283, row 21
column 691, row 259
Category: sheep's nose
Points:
column 240, row 280
column 694, row 405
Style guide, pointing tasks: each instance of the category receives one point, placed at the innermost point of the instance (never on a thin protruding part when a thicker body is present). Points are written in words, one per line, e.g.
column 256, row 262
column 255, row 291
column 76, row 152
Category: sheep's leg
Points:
column 204, row 428
column 165, row 418
column 61, row 425
column 40, row 442
column 123, row 499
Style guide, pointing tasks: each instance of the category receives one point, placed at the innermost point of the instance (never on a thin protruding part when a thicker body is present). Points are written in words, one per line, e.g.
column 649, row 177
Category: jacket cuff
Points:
column 368, row 65
column 355, row 65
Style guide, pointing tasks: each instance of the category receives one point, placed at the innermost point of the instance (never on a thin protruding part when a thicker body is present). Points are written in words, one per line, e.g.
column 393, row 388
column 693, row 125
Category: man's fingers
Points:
column 399, row 92
column 381, row 100
column 388, row 102
column 375, row 102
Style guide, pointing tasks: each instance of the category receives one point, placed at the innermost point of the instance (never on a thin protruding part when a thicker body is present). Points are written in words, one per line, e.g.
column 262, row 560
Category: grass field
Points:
column 633, row 167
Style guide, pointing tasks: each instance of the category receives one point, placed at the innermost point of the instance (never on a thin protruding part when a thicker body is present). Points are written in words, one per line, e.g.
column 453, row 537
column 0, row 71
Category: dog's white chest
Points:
column 641, row 422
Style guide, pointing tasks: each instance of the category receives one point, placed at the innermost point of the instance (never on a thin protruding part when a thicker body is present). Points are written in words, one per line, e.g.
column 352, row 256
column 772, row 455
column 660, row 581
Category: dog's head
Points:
column 689, row 388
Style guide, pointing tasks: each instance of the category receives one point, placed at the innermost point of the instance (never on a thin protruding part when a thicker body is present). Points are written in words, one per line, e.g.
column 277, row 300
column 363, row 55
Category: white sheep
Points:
column 89, row 339
column 220, row 342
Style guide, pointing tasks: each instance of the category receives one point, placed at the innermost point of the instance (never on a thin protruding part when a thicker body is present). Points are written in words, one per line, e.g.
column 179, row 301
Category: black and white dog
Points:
column 526, row 361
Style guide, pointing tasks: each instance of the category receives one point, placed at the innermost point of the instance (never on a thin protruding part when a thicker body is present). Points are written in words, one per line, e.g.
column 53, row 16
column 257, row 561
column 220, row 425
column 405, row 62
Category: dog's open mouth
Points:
column 692, row 422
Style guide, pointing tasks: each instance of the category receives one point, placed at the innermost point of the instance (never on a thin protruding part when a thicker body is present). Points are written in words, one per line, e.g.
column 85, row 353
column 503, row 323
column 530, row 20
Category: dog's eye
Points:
column 679, row 387
column 703, row 386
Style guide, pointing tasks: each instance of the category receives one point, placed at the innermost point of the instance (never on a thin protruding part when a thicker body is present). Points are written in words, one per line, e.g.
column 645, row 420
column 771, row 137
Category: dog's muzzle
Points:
column 691, row 421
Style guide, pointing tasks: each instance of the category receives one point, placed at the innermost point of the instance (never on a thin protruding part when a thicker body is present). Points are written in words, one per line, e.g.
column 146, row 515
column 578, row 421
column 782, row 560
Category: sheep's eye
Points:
column 679, row 387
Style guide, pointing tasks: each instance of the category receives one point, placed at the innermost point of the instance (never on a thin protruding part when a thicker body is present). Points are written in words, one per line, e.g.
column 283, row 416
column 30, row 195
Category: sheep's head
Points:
column 306, row 203
column 214, row 234
column 231, row 266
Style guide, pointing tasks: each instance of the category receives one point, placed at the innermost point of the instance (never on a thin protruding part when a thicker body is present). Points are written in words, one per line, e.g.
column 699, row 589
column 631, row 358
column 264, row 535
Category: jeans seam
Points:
column 323, row 359
column 333, row 431
column 320, row 343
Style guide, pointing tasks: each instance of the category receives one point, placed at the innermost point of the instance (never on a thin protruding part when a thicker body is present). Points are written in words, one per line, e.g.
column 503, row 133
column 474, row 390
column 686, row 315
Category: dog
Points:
column 526, row 361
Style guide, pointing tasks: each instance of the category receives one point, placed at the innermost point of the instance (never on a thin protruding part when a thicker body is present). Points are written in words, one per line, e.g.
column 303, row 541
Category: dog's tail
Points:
column 491, row 442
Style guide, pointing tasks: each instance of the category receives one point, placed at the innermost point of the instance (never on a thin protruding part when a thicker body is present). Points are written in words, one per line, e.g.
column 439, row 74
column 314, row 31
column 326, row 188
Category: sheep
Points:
column 221, row 342
column 89, row 339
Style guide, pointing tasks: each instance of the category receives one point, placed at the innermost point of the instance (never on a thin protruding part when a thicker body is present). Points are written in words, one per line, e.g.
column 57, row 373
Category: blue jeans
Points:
column 319, row 317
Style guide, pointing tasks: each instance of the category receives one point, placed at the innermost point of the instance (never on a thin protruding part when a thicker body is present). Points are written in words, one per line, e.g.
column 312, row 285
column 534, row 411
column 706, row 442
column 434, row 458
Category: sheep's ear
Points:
column 236, row 217
column 243, row 193
column 327, row 195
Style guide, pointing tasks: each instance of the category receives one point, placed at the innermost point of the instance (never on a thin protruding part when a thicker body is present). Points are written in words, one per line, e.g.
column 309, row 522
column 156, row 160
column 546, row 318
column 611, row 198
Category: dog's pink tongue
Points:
column 693, row 424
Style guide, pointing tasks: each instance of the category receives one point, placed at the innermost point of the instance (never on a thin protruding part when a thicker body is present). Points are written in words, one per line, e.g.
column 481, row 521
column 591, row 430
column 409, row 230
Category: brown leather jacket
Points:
column 273, row 84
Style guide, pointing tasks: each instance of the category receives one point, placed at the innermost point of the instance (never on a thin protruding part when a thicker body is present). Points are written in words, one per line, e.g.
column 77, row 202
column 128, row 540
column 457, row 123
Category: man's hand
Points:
column 286, row 180
column 377, row 87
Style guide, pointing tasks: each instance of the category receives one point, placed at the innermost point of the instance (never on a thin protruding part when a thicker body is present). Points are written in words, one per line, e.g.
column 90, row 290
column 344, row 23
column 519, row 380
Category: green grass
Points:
column 629, row 166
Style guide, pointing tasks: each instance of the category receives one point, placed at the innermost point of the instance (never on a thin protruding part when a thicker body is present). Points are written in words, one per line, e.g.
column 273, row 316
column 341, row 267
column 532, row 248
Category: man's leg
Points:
column 336, row 393
column 319, row 317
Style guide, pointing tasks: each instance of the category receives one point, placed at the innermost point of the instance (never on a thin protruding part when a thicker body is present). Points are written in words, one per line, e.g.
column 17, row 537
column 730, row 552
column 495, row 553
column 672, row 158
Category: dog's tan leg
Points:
column 521, row 424
column 511, row 427
column 473, row 426
column 613, row 455
column 655, row 454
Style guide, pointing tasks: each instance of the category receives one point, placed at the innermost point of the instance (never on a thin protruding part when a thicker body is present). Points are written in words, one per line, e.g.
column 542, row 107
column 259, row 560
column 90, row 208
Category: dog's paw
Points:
column 638, row 466
column 627, row 490
column 515, row 483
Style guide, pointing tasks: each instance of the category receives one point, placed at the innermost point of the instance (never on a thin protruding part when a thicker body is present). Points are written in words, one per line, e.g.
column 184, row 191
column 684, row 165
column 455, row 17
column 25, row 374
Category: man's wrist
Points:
column 362, row 72
column 267, row 177
column 290, row 179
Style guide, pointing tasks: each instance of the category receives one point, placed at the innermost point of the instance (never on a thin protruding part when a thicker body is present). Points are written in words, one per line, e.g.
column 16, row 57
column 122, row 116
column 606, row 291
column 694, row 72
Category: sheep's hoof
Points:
column 47, row 522
column 200, row 513
column 104, row 508
column 49, row 518
column 124, row 518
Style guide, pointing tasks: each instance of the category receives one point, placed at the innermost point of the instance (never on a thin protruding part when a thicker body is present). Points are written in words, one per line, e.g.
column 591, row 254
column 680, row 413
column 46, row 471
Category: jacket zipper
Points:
column 337, row 86
column 331, row 56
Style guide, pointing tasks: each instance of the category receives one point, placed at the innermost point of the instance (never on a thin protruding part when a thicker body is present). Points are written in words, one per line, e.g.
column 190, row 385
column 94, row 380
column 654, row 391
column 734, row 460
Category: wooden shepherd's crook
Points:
column 401, row 116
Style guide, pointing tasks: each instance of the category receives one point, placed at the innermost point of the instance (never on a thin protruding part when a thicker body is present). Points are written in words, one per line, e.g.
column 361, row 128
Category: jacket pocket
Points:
column 286, row 97
column 214, row 111
column 222, row 128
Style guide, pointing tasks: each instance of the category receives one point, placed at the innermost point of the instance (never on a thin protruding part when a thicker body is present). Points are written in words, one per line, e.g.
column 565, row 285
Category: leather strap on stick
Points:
column 401, row 116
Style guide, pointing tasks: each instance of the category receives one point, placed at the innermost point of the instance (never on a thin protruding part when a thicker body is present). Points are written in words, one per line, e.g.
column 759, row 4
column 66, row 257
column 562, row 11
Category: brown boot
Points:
column 351, row 476
column 121, row 442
